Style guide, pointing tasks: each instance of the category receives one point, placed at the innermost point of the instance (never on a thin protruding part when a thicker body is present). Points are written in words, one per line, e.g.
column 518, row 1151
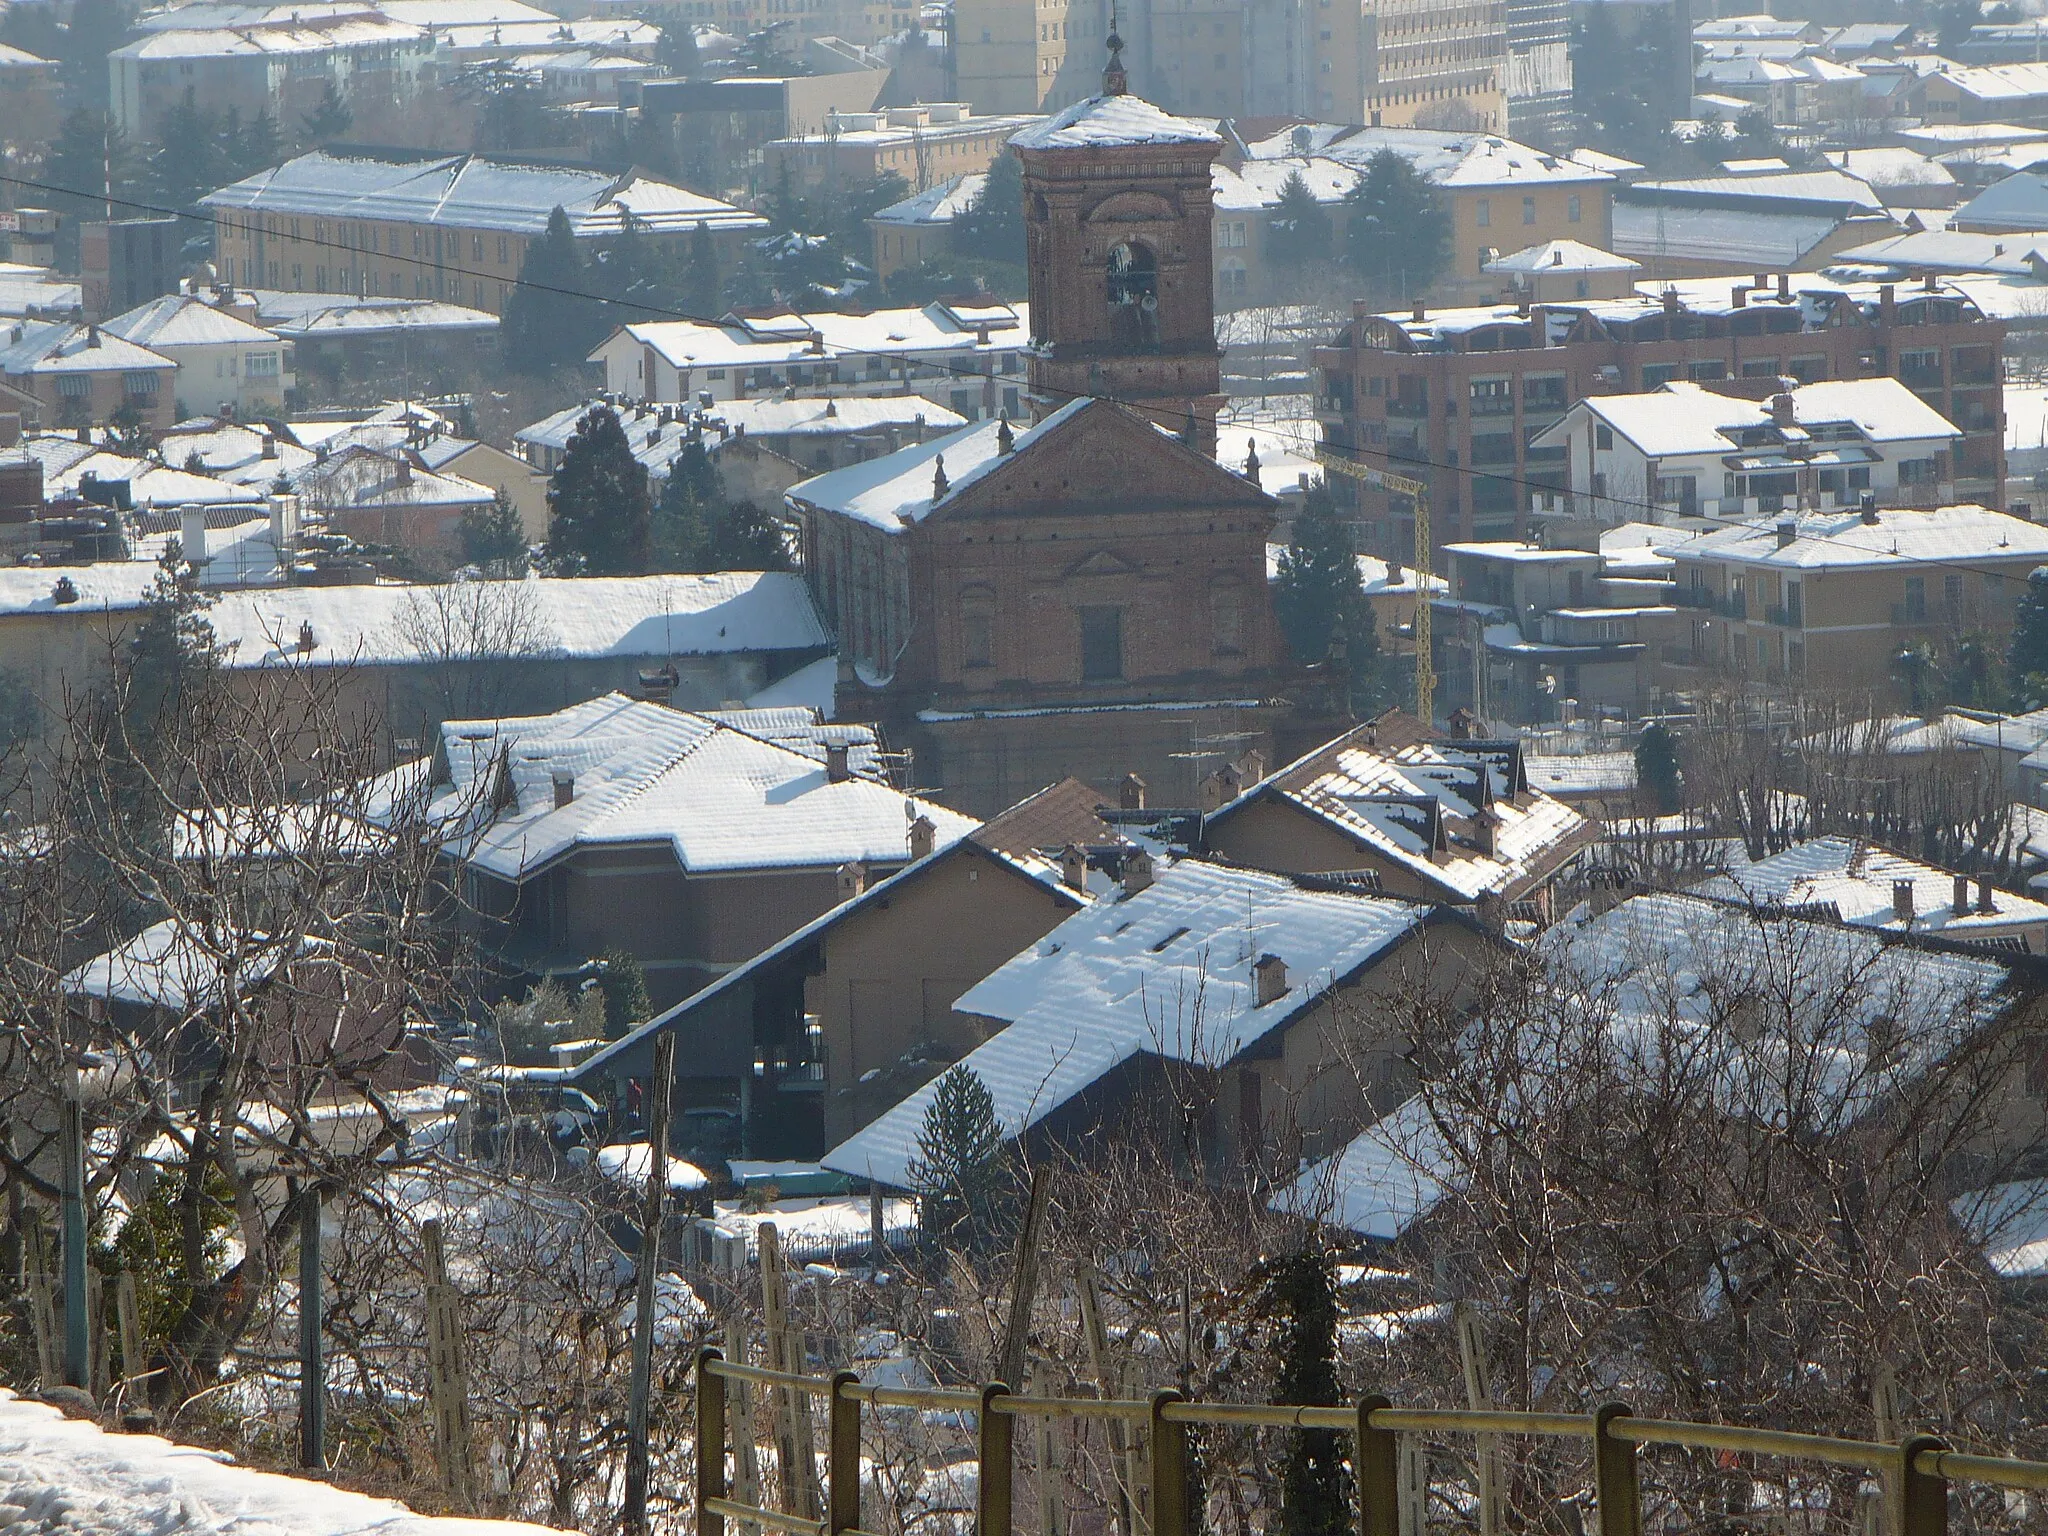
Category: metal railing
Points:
column 1916, row 1473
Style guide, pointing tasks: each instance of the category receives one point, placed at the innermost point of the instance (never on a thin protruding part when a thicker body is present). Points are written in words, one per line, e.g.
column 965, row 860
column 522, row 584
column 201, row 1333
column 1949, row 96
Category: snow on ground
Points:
column 65, row 1474
column 821, row 1222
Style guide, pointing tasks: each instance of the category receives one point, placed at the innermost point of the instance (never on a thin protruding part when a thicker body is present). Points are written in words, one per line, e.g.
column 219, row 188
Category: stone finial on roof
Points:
column 1005, row 438
column 1115, row 82
column 1251, row 461
column 940, row 484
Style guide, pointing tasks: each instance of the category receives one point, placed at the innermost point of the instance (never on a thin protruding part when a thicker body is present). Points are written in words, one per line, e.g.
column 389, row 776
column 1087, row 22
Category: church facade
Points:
column 1086, row 596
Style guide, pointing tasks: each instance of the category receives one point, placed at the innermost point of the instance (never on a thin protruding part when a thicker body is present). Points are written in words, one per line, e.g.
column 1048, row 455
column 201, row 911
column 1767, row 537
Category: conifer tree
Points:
column 329, row 121
column 622, row 982
column 697, row 529
column 700, row 276
column 1300, row 226
column 493, row 539
column 598, row 513
column 991, row 228
column 2026, row 661
column 1657, row 769
column 549, row 323
column 1298, row 1302
column 961, row 1169
column 1400, row 233
column 1319, row 597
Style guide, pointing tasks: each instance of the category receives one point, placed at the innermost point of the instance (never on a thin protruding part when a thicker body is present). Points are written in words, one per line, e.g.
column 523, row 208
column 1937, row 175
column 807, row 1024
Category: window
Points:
column 1528, row 210
column 476, row 247
column 1914, row 609
column 1916, row 471
column 1680, row 491
column 1715, row 369
column 262, row 365
column 1543, row 392
column 1759, row 367
column 1657, row 375
column 1603, row 436
column 1952, row 597
column 977, row 627
column 1807, row 369
column 1102, row 644
column 1131, row 288
column 1795, row 611
column 1493, row 397
column 1226, row 617
column 504, row 250
column 138, row 383
column 1571, row 208
column 1482, row 213
column 74, row 386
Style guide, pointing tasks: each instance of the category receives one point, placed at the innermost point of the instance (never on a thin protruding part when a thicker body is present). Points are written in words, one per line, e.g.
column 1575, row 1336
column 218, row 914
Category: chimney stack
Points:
column 565, row 789
column 1269, row 979
column 922, row 836
column 1137, row 871
column 1788, row 532
column 192, row 533
column 1252, row 766
column 1784, row 287
column 836, row 771
column 1074, row 867
column 853, row 879
column 1130, row 794
column 1960, row 901
column 1221, row 787
column 1784, row 413
column 1740, row 295
column 1985, row 903
column 1902, row 901
column 1869, row 508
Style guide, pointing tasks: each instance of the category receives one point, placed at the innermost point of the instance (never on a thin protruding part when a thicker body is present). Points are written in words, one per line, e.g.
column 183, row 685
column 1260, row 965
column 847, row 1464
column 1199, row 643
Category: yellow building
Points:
column 1040, row 57
column 925, row 145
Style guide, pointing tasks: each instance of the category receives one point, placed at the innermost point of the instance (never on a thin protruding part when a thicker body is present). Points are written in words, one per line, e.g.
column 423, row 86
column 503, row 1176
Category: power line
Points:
column 1385, row 460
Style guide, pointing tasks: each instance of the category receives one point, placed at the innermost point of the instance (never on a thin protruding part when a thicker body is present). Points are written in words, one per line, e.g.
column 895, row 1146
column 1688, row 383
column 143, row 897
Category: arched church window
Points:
column 1133, row 281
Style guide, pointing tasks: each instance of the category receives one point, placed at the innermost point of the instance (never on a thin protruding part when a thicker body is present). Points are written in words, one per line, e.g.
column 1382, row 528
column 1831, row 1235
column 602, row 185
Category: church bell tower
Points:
column 1117, row 204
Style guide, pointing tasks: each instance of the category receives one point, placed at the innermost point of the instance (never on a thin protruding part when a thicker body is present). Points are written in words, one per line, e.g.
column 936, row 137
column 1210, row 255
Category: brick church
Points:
column 1087, row 594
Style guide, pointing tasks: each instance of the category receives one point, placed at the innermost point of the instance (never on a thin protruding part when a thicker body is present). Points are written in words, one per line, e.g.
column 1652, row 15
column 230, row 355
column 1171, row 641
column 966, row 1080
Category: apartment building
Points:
column 1688, row 451
column 1457, row 397
column 437, row 226
column 1011, row 57
column 968, row 357
column 28, row 96
column 1538, row 83
column 1830, row 597
column 226, row 363
column 80, row 376
column 925, row 145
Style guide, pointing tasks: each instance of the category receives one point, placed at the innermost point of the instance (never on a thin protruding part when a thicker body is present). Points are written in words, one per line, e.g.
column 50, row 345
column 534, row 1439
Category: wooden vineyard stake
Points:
column 447, row 1381
column 1129, row 1486
column 1414, row 1486
column 794, row 1452
column 654, row 1208
column 128, row 1321
column 739, row 1408
column 1024, row 1281
column 1479, row 1397
column 1052, row 1506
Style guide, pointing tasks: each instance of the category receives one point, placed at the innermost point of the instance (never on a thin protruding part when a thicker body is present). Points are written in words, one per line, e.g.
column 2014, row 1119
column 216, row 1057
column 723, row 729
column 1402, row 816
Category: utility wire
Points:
column 1360, row 456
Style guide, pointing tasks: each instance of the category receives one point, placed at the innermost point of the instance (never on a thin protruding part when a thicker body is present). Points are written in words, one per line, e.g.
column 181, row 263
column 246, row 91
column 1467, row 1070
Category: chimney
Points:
column 836, row 771
column 1269, row 979
column 1252, row 766
column 1984, row 899
column 404, row 470
column 1959, row 902
column 85, row 434
column 284, row 523
column 1220, row 788
column 921, row 837
column 1131, row 793
column 1421, row 311
column 1670, row 301
column 1869, row 508
column 1784, row 287
column 1887, row 304
column 192, row 533
column 1788, row 531
column 1137, row 871
column 92, row 336
column 1902, row 901
column 1074, row 867
column 1603, row 891
column 308, row 641
column 565, row 789
column 269, row 446
column 1486, row 831
column 853, row 879
column 1740, row 294
column 1763, row 280
column 1783, row 412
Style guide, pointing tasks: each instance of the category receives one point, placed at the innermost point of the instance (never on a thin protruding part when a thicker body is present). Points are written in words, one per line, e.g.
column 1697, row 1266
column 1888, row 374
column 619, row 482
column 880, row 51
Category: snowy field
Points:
column 59, row 1474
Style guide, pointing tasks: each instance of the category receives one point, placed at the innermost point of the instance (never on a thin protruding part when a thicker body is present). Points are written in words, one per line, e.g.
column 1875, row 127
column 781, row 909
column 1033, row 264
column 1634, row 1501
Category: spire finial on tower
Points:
column 1114, row 81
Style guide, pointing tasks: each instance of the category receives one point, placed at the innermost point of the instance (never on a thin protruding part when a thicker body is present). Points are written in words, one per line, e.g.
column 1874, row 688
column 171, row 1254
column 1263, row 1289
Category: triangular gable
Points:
column 1104, row 457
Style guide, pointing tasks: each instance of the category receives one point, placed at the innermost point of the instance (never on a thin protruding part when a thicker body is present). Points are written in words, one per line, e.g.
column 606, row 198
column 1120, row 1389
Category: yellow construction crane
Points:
column 1418, row 492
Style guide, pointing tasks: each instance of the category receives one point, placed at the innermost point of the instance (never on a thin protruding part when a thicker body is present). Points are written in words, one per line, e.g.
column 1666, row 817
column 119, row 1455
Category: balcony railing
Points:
column 1787, row 618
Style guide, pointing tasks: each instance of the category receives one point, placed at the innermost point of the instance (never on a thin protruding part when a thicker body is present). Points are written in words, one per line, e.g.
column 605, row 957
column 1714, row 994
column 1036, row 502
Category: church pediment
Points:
column 1102, row 457
column 1103, row 562
column 1133, row 207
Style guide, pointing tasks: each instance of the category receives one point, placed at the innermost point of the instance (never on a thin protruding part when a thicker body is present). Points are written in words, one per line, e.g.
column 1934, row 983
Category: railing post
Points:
column 1377, row 1457
column 1923, row 1496
column 997, row 1437
column 1169, row 1468
column 842, row 1509
column 710, row 1442
column 1616, row 1475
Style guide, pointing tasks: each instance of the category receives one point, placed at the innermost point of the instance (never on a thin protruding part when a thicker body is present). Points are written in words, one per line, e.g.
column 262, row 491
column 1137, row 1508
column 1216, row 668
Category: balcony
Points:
column 1407, row 405
column 1493, row 405
column 1785, row 618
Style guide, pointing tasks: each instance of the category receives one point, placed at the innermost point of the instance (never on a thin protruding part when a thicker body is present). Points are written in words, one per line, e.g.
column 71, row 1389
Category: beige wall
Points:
column 1517, row 217
column 524, row 486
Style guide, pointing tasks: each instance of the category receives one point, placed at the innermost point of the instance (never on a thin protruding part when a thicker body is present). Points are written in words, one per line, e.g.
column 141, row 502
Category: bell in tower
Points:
column 1117, row 205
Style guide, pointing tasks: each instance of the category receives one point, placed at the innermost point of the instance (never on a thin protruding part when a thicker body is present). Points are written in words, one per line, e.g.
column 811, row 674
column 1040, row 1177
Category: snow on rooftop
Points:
column 1858, row 880
column 938, row 204
column 1379, row 1182
column 1682, row 417
column 1167, row 971
column 1110, row 120
column 1562, row 256
column 180, row 320
column 60, row 346
column 1842, row 539
column 2010, row 1222
column 788, row 337
column 70, row 1474
column 1583, row 773
column 168, row 966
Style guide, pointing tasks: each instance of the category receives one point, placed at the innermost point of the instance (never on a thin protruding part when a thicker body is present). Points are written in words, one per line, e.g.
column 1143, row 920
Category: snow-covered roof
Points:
column 167, row 965
column 1857, row 880
column 1842, row 540
column 27, row 290
column 855, row 413
column 775, row 340
column 1109, row 120
column 941, row 203
column 1562, row 256
column 2018, row 253
column 1892, row 166
column 180, row 320
column 1741, row 237
column 1832, row 189
column 1682, row 417
column 2011, row 83
column 1255, row 185
column 1167, row 971
column 12, row 57
column 1417, row 806
column 644, row 773
column 360, row 477
column 1379, row 1182
column 1464, row 159
column 2018, row 203
column 2010, row 1222
column 62, row 346
column 320, row 316
column 2009, row 733
column 898, row 489
column 470, row 191
column 1582, row 773
column 358, row 30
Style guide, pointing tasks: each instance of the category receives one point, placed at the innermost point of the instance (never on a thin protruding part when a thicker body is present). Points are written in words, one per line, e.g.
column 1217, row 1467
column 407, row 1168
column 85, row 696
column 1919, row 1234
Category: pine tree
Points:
column 961, row 1170
column 2026, row 660
column 1319, row 598
column 622, row 983
column 1300, row 226
column 1400, row 233
column 677, row 50
column 262, row 145
column 89, row 157
column 1657, row 769
column 548, row 322
column 991, row 228
column 1298, row 1303
column 598, row 513
column 494, row 540
column 700, row 277
column 329, row 121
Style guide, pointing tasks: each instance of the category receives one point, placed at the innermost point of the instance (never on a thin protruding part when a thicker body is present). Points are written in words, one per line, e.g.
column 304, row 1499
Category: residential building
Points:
column 1457, row 397
column 80, row 376
column 1538, row 79
column 28, row 97
column 1011, row 58
column 282, row 69
column 453, row 227
column 392, row 499
column 2016, row 204
column 1994, row 93
column 1902, row 177
column 691, row 844
column 965, row 355
column 1828, row 598
column 1712, row 225
column 126, row 262
column 490, row 466
column 925, row 144
column 1228, row 1002
column 1414, row 63
column 719, row 126
column 225, row 364
column 1864, row 885
column 1688, row 450
column 1402, row 808
column 920, row 227
column 341, row 336
column 1563, row 270
column 864, row 995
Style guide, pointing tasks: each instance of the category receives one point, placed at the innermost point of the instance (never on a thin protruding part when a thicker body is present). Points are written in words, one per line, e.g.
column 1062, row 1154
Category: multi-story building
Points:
column 28, row 97
column 226, row 364
column 1413, row 63
column 1012, row 57
column 968, row 357
column 1830, row 598
column 1456, row 397
column 1693, row 450
column 1539, row 71
column 80, row 376
column 925, row 145
column 433, row 226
